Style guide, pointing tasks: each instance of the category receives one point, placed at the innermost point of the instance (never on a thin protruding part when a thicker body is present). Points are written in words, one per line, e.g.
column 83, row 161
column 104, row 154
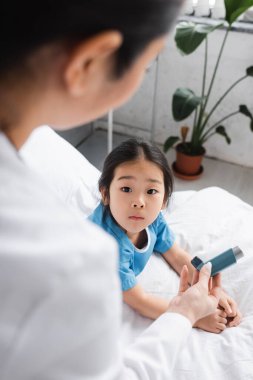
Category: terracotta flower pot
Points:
column 188, row 164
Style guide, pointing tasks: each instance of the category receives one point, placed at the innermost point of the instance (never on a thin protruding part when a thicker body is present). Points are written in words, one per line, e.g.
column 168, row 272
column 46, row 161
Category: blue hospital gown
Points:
column 132, row 260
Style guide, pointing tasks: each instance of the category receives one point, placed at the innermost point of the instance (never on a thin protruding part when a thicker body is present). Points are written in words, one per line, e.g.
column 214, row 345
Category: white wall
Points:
column 148, row 116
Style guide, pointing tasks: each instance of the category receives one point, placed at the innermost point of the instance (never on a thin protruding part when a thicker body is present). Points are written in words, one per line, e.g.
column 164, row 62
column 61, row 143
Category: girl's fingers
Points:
column 221, row 326
column 223, row 320
column 236, row 320
column 216, row 281
column 223, row 314
column 226, row 306
column 216, row 290
column 233, row 307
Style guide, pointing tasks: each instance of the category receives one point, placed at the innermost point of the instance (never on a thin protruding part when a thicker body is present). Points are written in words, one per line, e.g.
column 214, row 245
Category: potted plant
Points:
column 189, row 37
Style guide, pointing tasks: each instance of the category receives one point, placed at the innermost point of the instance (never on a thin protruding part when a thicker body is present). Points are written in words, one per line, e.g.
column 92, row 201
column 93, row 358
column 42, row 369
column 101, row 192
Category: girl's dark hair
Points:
column 131, row 150
column 26, row 26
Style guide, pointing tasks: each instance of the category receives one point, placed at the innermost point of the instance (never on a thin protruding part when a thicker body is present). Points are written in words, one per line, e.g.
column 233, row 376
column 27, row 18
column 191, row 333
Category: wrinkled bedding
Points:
column 211, row 220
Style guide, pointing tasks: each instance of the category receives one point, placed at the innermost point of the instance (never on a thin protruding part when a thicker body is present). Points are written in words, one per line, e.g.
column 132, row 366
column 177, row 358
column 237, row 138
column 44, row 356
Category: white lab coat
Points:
column 60, row 299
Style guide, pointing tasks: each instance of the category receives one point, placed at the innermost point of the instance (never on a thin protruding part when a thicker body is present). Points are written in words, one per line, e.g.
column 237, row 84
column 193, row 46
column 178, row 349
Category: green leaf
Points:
column 249, row 71
column 222, row 131
column 234, row 8
column 170, row 142
column 189, row 35
column 184, row 102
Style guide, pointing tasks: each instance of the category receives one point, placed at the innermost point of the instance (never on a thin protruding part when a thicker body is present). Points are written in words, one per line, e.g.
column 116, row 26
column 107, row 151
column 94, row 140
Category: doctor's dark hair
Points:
column 132, row 150
column 27, row 26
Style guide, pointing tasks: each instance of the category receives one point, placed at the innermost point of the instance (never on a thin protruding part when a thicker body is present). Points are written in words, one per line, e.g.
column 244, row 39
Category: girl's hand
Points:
column 230, row 307
column 226, row 315
column 214, row 323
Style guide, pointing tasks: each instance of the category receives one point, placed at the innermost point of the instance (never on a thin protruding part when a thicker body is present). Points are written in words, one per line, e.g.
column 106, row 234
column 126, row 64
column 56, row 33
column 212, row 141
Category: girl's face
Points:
column 136, row 195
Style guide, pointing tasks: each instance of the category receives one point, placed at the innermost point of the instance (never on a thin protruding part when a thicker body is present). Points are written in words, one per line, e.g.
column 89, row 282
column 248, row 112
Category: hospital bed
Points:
column 210, row 220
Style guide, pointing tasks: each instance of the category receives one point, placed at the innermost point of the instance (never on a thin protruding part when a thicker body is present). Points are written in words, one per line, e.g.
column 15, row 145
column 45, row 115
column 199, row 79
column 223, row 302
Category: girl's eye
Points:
column 152, row 191
column 126, row 189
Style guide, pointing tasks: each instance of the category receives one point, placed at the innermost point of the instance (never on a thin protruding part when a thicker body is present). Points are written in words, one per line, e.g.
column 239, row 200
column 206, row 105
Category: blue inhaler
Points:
column 220, row 262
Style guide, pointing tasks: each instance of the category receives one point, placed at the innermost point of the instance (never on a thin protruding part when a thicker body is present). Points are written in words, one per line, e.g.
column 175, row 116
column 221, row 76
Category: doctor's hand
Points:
column 199, row 300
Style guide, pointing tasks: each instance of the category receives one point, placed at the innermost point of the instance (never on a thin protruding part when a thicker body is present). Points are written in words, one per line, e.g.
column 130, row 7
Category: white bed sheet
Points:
column 210, row 220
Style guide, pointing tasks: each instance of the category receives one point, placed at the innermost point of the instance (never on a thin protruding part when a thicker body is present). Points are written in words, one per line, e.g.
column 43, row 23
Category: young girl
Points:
column 136, row 184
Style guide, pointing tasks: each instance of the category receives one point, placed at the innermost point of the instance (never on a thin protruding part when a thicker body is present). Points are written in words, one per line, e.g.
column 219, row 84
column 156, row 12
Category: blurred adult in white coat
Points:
column 64, row 63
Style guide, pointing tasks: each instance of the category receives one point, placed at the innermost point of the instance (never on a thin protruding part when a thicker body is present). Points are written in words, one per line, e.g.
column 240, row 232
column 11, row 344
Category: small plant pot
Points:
column 188, row 164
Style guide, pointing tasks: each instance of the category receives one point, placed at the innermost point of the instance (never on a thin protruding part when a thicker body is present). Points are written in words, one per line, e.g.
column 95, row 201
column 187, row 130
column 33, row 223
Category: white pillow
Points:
column 178, row 198
column 211, row 220
column 66, row 170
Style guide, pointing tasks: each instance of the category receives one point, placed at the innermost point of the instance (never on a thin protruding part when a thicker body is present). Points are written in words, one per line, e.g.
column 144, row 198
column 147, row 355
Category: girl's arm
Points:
column 146, row 304
column 152, row 306
column 177, row 257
